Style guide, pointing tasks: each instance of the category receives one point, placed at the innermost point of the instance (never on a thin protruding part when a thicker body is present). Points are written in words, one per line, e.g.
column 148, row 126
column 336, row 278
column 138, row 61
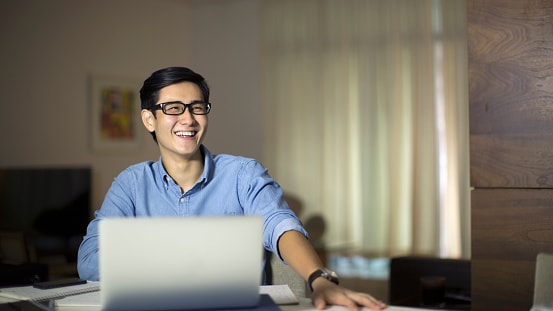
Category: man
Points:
column 188, row 180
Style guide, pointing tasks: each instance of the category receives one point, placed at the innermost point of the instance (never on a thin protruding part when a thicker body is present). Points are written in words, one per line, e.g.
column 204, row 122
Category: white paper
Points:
column 37, row 294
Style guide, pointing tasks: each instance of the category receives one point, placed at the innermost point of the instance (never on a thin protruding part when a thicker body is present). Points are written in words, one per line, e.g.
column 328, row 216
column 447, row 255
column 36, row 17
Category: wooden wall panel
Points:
column 509, row 228
column 521, row 161
column 511, row 92
column 511, row 139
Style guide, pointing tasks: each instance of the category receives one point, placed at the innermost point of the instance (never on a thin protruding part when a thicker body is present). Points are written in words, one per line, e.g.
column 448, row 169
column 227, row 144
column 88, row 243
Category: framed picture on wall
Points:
column 115, row 113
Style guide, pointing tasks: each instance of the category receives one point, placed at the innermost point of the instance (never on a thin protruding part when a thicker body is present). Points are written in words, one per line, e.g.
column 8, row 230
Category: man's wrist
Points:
column 322, row 273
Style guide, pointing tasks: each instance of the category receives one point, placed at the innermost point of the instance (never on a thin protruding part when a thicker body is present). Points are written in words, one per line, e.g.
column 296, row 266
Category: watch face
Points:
column 330, row 275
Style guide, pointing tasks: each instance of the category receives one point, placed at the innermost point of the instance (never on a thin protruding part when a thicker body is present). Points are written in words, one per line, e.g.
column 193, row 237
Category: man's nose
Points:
column 186, row 115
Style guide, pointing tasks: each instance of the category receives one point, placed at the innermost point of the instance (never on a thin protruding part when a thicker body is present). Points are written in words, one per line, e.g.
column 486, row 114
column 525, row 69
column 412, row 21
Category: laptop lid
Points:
column 543, row 283
column 180, row 263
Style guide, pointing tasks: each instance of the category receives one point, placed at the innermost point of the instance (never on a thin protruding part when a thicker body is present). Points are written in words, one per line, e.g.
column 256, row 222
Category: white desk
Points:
column 306, row 305
column 91, row 302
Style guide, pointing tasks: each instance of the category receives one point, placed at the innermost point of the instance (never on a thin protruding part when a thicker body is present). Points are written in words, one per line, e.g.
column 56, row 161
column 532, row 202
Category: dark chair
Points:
column 15, row 265
column 278, row 273
column 405, row 281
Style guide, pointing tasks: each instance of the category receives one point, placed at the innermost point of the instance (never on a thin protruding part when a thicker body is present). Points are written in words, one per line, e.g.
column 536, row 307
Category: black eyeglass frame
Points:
column 163, row 108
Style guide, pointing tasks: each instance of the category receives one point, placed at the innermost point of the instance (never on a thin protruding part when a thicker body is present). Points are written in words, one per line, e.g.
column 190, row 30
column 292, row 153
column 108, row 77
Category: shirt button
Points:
column 182, row 200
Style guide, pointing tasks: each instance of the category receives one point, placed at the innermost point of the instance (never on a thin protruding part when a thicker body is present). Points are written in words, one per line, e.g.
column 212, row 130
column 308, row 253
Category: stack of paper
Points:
column 36, row 294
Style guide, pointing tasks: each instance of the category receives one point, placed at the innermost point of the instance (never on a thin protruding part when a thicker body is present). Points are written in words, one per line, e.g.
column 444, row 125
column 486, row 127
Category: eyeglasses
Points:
column 177, row 108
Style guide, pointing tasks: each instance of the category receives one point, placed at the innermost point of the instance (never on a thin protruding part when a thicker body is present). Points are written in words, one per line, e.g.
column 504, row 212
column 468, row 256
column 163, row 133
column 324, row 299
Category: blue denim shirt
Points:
column 229, row 185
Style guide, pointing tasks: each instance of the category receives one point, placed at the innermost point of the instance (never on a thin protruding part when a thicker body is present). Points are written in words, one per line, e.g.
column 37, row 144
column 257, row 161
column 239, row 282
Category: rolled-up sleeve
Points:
column 262, row 195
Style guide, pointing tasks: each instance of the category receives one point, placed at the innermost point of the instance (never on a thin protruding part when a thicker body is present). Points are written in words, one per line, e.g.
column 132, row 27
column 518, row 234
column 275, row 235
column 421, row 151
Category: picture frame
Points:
column 115, row 113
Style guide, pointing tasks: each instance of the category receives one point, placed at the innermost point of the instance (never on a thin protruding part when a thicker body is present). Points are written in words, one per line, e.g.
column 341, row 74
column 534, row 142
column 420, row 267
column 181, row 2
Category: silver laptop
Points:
column 180, row 263
column 543, row 283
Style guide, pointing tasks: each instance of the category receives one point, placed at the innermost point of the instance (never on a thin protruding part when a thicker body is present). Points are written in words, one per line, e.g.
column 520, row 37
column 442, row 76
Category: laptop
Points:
column 543, row 283
column 180, row 263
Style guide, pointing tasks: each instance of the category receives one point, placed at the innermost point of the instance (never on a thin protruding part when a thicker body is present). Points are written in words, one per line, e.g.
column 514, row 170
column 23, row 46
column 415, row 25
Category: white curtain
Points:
column 366, row 120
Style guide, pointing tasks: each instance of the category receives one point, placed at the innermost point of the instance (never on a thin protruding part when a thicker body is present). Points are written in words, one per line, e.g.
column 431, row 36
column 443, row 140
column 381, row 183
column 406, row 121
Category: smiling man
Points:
column 188, row 180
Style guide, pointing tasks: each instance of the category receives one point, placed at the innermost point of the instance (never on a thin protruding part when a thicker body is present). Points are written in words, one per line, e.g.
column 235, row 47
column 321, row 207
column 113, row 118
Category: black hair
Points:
column 149, row 93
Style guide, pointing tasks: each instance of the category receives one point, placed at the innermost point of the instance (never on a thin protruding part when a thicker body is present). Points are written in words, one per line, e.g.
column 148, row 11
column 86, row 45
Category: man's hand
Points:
column 327, row 293
column 296, row 250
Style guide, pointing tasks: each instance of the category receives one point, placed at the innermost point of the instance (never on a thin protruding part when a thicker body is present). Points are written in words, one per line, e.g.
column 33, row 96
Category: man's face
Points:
column 178, row 135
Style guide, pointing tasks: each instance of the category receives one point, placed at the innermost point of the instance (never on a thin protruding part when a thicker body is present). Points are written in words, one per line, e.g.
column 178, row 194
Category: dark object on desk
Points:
column 59, row 283
column 405, row 281
column 22, row 274
column 432, row 290
column 23, row 305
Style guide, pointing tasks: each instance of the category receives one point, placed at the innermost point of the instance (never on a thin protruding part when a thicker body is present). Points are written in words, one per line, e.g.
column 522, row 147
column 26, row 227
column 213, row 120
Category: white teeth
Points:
column 182, row 133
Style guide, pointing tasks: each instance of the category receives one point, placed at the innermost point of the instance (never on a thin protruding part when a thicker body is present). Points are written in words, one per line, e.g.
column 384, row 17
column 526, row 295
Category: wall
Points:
column 50, row 49
column 511, row 148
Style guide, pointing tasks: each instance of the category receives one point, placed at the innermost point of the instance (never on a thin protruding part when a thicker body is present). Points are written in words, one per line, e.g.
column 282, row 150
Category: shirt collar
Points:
column 207, row 174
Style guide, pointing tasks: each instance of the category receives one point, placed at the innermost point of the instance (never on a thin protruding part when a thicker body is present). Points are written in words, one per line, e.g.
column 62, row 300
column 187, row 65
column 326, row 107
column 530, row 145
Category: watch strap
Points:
column 321, row 273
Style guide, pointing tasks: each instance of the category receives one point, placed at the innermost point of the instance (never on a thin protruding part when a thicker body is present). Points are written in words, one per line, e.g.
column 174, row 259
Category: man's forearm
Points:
column 298, row 253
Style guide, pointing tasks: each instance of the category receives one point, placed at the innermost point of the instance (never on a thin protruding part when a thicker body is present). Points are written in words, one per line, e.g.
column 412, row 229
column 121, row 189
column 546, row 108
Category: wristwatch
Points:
column 325, row 273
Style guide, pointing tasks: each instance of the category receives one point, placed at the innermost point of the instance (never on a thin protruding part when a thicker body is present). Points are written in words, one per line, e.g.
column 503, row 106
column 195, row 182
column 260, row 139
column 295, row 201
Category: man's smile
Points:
column 186, row 133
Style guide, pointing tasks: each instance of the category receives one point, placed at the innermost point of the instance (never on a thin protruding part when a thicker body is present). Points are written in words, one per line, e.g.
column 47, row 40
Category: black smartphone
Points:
column 59, row 283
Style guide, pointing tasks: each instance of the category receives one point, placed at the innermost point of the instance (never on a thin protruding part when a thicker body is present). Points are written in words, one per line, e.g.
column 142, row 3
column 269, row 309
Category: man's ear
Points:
column 148, row 119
